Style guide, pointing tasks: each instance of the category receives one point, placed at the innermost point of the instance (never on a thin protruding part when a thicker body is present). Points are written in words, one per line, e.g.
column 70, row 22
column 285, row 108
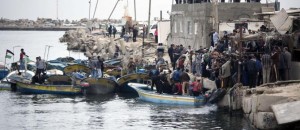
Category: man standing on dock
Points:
column 92, row 65
column 288, row 59
column 99, row 67
column 267, row 65
column 22, row 60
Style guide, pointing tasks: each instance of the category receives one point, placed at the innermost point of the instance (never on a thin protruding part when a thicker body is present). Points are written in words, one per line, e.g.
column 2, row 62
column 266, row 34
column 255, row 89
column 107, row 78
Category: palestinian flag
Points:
column 9, row 54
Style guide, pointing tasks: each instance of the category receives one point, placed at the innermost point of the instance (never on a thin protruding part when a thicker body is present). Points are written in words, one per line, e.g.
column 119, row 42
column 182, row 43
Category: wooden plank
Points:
column 287, row 112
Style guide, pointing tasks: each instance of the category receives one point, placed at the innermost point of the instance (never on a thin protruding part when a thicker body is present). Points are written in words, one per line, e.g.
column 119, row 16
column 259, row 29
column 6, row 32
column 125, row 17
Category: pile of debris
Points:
column 105, row 47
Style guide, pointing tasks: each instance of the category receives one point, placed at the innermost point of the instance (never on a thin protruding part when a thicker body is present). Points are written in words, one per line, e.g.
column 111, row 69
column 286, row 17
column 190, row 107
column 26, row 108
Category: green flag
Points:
column 8, row 56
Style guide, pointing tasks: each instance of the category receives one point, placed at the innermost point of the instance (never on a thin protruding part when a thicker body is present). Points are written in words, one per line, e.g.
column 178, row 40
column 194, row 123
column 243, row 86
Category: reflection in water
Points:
column 115, row 111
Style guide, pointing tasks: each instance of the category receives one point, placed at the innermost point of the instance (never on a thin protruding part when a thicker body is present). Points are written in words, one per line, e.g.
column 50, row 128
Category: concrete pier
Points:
column 257, row 103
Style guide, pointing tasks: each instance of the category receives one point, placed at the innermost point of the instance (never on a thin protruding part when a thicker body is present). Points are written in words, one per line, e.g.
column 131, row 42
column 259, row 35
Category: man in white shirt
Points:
column 215, row 37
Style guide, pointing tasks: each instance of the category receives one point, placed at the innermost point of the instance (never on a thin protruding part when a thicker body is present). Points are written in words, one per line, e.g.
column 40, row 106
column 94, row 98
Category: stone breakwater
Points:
column 257, row 103
column 94, row 45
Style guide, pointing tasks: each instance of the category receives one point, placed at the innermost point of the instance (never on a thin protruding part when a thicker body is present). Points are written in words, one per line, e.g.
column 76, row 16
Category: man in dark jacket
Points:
column 252, row 71
column 153, row 74
column 170, row 52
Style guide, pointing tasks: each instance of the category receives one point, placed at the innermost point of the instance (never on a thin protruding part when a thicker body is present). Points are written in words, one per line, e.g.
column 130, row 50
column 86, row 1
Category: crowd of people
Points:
column 260, row 62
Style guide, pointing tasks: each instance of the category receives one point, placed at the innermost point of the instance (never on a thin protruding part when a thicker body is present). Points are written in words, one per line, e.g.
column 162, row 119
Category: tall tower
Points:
column 57, row 9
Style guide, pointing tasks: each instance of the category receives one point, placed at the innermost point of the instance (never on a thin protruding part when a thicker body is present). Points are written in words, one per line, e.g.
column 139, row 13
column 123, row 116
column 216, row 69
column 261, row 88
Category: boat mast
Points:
column 134, row 11
column 113, row 9
column 95, row 9
column 148, row 35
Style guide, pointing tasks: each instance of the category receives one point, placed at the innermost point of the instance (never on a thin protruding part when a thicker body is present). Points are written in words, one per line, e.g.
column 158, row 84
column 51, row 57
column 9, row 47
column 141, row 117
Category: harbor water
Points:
column 34, row 44
column 115, row 111
column 111, row 112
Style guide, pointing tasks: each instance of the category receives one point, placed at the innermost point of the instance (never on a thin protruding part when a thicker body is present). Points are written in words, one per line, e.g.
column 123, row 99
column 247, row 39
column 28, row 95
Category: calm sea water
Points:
column 112, row 112
column 34, row 44
column 50, row 112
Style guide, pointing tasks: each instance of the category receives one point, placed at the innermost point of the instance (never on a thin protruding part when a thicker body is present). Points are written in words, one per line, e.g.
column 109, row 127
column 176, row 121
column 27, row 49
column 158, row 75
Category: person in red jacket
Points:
column 197, row 86
column 156, row 35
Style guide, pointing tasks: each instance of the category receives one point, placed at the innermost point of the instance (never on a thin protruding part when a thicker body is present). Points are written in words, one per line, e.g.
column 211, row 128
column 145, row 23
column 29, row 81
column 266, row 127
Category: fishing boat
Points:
column 3, row 72
column 135, row 77
column 68, row 70
column 57, row 84
column 146, row 94
column 100, row 86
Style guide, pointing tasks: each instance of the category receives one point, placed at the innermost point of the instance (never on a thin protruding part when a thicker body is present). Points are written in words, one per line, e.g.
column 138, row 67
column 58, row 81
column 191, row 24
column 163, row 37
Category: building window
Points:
column 189, row 27
column 180, row 27
column 175, row 27
column 196, row 27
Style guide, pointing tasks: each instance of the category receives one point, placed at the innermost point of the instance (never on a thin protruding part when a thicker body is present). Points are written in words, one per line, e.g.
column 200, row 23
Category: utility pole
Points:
column 148, row 34
column 216, row 14
column 134, row 11
column 90, row 2
column 240, row 53
column 160, row 15
column 143, row 42
column 95, row 9
column 57, row 9
column 113, row 9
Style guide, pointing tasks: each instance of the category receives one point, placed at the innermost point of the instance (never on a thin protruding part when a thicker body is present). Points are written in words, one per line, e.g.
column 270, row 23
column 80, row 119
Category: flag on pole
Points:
column 9, row 54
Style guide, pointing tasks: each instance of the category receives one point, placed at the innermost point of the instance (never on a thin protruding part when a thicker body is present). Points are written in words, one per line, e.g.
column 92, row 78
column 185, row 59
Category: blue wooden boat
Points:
column 135, row 77
column 3, row 73
column 100, row 86
column 146, row 94
column 56, row 85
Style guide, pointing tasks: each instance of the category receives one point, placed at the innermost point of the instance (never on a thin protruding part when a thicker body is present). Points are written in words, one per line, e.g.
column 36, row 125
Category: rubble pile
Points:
column 98, row 45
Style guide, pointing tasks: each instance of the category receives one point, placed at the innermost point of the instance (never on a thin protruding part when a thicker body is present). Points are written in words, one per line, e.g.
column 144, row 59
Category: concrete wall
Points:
column 201, row 23
column 295, row 71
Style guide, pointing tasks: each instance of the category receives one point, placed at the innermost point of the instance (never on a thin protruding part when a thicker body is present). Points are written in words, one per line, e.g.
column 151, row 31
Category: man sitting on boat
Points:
column 197, row 86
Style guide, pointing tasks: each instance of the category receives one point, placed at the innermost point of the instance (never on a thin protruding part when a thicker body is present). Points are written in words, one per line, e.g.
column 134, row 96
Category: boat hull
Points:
column 151, row 96
column 100, row 86
column 3, row 73
column 135, row 77
column 48, row 89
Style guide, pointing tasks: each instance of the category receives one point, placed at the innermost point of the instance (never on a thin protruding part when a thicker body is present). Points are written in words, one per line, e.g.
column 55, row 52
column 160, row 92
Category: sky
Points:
column 77, row 9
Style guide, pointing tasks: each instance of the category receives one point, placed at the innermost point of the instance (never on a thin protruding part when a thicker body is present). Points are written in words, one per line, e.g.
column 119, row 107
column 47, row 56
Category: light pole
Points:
column 14, row 51
column 90, row 9
column 45, row 51
column 48, row 51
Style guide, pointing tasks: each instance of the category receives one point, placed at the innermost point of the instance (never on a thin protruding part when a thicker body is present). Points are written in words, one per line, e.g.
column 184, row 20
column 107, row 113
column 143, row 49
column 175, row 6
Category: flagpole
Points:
column 5, row 60
column 14, row 51
column 48, row 51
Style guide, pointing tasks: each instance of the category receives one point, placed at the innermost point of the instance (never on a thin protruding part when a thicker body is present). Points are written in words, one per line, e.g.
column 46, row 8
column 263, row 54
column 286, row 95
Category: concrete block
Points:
column 254, row 118
column 239, row 103
column 251, row 118
column 254, row 103
column 266, row 120
column 237, row 100
column 224, row 102
column 246, row 116
column 247, row 105
column 287, row 112
column 264, row 102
